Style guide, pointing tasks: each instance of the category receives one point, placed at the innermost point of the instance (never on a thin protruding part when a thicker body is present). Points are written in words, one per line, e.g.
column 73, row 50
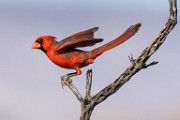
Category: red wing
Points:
column 80, row 39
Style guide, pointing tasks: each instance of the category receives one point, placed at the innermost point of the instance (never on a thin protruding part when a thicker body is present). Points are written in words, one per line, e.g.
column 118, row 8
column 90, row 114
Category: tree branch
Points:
column 88, row 85
column 140, row 62
column 68, row 82
column 89, row 102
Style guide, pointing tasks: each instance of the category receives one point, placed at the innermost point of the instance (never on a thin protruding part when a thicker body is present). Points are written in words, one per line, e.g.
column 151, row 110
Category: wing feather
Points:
column 80, row 39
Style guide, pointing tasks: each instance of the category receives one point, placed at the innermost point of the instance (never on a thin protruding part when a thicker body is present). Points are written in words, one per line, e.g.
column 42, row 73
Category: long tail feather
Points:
column 122, row 38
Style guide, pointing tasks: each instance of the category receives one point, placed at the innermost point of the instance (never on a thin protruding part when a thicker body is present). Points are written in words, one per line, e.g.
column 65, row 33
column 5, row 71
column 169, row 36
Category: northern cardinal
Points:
column 66, row 55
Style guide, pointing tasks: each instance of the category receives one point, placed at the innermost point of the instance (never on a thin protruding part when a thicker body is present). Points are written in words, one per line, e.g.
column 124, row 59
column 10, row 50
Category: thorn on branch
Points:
column 151, row 64
column 131, row 59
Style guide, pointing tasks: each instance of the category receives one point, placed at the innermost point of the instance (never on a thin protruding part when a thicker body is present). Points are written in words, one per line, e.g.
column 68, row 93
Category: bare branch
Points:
column 68, row 82
column 88, row 85
column 140, row 62
column 89, row 102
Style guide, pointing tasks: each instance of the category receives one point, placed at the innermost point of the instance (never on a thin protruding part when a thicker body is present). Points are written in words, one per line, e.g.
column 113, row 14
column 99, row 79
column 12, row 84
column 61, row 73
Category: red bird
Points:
column 66, row 55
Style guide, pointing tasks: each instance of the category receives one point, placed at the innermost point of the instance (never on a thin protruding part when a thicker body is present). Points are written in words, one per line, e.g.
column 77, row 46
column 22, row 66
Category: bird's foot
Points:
column 65, row 79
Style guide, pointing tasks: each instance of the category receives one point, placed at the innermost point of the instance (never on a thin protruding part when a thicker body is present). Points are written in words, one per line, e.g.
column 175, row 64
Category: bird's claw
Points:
column 65, row 80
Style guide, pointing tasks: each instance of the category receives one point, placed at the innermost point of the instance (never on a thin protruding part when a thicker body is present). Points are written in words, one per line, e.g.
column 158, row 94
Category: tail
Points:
column 122, row 38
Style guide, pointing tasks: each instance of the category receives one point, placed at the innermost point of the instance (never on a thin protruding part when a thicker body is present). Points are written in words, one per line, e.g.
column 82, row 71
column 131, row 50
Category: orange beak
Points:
column 36, row 45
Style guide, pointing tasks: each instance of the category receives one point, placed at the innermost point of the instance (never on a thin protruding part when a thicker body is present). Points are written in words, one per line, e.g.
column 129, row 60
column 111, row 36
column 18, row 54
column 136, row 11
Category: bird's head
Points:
column 43, row 43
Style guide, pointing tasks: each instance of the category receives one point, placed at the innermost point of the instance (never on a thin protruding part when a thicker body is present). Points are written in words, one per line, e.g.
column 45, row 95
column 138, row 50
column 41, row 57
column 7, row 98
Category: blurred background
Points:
column 30, row 86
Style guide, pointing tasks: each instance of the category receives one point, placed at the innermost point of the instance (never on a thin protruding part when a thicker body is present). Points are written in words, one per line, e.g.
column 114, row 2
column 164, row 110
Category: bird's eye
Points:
column 39, row 41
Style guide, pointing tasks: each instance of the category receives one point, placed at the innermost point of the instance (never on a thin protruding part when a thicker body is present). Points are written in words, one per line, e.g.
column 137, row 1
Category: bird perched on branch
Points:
column 66, row 54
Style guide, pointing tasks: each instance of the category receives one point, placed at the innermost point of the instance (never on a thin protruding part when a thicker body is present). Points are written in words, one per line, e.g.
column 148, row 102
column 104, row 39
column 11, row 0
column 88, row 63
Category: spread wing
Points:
column 80, row 39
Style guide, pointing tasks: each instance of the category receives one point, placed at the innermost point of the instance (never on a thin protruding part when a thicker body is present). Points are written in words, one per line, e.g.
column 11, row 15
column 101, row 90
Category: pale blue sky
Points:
column 30, row 87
